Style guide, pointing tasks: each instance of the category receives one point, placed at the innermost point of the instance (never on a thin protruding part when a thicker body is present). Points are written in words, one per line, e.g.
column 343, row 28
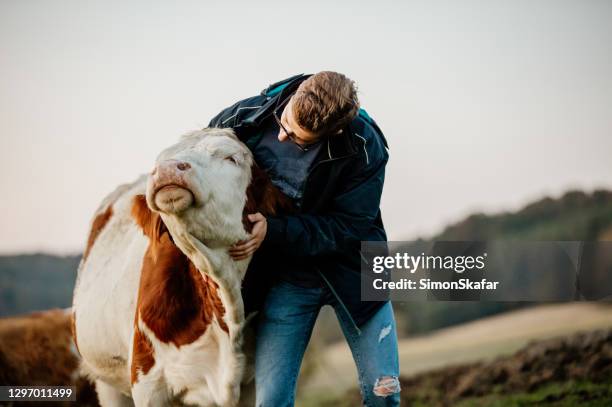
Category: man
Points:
column 324, row 152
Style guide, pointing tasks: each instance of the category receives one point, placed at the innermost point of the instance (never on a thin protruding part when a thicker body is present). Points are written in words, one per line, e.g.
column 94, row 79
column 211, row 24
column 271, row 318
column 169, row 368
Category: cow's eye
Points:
column 231, row 159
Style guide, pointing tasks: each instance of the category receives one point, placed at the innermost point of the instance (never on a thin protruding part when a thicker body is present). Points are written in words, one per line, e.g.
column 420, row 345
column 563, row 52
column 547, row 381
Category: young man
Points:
column 324, row 152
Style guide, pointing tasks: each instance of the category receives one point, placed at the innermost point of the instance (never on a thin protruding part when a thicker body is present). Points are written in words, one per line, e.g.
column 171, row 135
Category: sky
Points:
column 487, row 105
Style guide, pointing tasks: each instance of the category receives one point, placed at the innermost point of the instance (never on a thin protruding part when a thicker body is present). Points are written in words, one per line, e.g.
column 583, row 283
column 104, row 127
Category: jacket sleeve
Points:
column 352, row 215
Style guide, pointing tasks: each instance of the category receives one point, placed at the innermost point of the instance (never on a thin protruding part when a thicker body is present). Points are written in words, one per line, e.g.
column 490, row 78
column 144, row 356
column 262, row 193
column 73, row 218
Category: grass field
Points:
column 475, row 341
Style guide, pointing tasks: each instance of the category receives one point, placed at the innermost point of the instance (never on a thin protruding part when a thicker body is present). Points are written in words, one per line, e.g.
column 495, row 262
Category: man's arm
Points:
column 351, row 218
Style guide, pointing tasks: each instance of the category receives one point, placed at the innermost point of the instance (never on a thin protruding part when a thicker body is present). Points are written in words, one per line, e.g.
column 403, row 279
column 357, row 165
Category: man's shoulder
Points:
column 277, row 87
column 369, row 138
column 252, row 110
column 234, row 114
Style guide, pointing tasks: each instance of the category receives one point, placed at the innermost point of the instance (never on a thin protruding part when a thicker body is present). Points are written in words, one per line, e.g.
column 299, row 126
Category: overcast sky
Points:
column 487, row 105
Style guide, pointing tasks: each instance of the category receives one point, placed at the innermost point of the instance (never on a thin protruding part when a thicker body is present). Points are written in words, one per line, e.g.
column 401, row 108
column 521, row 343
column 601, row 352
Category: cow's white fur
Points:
column 209, row 370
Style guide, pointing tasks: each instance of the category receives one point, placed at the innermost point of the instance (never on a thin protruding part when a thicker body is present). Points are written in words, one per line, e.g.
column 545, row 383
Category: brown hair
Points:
column 325, row 102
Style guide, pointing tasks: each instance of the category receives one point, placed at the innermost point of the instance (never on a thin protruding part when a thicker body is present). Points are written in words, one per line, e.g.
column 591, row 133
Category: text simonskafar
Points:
column 428, row 284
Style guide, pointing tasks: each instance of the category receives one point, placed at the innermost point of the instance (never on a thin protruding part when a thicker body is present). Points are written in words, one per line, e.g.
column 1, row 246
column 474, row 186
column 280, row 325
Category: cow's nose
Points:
column 168, row 167
column 183, row 166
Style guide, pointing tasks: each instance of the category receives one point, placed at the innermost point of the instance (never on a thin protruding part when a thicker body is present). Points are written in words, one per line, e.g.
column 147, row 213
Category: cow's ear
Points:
column 263, row 197
column 151, row 222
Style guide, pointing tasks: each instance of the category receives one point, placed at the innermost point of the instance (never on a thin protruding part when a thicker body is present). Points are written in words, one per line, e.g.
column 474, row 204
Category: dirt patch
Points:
column 580, row 358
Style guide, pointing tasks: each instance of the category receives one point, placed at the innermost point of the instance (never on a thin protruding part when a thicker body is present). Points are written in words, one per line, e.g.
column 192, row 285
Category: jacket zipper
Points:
column 329, row 285
column 331, row 288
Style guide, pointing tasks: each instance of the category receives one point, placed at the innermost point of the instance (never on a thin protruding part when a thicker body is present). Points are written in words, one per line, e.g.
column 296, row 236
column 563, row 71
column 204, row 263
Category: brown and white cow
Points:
column 158, row 312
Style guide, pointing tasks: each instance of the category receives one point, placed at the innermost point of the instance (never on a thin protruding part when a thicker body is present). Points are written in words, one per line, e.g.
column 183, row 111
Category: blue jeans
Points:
column 284, row 330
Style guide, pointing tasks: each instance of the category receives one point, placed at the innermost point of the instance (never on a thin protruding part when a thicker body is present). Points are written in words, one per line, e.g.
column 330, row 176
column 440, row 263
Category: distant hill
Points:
column 36, row 282
column 574, row 216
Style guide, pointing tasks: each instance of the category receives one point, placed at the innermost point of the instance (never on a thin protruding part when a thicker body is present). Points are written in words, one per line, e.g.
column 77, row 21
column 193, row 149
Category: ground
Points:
column 459, row 366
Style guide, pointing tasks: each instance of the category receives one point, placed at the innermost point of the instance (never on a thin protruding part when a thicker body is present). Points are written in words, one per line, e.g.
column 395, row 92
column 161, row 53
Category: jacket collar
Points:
column 340, row 145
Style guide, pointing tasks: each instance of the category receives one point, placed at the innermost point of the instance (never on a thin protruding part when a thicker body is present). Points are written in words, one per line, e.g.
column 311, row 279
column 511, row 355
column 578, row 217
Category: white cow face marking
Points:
column 201, row 181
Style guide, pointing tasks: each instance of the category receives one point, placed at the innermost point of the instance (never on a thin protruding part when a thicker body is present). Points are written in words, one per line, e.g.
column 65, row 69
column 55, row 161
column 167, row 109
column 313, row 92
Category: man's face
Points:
column 290, row 129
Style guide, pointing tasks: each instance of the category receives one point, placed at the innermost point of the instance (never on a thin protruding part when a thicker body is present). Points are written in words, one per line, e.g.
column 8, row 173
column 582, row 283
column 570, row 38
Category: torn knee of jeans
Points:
column 386, row 386
column 384, row 332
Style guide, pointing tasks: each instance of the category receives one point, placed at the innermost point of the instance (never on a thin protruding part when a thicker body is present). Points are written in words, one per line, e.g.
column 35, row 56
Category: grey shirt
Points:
column 285, row 163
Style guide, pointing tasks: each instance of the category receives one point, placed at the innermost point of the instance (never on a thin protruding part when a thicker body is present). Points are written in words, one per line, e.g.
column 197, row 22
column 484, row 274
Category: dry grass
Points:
column 478, row 340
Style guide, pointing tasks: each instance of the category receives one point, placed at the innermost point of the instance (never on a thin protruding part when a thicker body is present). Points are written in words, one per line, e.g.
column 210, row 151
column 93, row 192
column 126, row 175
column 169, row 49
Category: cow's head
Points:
column 207, row 182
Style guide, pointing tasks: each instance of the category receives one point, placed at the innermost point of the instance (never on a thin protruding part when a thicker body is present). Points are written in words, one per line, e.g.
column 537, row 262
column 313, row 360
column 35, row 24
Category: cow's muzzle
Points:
column 168, row 182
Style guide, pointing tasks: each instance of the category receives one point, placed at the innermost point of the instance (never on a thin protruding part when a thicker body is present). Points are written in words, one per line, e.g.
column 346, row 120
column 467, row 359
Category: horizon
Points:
column 409, row 239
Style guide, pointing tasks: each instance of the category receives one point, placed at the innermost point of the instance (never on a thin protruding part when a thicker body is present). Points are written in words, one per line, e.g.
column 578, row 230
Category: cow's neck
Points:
column 216, row 263
column 175, row 301
column 218, row 228
column 181, row 275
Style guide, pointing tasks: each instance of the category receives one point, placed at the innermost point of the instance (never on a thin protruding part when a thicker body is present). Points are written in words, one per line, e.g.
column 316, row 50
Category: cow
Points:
column 36, row 349
column 158, row 313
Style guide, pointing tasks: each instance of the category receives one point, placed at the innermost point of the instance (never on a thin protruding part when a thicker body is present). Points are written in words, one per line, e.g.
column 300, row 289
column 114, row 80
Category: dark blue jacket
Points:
column 340, row 204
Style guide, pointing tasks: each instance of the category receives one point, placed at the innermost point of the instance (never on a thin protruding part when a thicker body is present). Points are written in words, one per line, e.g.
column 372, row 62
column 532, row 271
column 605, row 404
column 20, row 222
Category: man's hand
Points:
column 245, row 248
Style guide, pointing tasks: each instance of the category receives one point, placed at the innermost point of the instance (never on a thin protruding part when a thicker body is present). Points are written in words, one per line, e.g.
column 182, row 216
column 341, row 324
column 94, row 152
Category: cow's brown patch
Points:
column 98, row 224
column 143, row 357
column 73, row 330
column 263, row 197
column 175, row 300
column 151, row 222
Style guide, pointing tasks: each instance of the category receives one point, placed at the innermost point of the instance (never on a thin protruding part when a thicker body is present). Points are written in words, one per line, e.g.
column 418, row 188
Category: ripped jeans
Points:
column 284, row 330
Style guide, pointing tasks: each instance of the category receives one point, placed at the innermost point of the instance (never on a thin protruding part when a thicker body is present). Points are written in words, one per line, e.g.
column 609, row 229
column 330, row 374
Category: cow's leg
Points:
column 108, row 396
column 150, row 391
